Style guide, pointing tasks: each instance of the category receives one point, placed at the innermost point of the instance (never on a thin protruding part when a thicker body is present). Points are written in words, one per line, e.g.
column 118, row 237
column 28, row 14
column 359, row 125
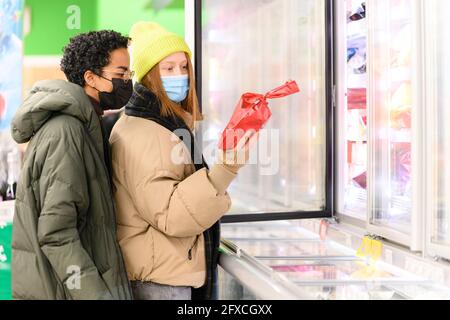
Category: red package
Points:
column 252, row 113
column 357, row 99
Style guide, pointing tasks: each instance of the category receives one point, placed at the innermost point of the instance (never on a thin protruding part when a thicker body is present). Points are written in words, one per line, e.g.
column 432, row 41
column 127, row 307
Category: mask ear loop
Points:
column 126, row 81
column 98, row 75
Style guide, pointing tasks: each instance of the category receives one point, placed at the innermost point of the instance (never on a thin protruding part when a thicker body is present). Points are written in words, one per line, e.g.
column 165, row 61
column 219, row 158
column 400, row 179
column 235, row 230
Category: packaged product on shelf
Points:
column 351, row 53
column 358, row 63
column 361, row 180
column 357, row 98
column 359, row 14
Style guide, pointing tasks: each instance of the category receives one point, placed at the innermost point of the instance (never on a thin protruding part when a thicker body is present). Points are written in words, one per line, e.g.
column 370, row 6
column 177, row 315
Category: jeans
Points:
column 154, row 291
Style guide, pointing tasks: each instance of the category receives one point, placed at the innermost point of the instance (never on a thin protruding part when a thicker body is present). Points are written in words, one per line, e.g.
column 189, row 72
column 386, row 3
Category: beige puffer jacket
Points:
column 163, row 207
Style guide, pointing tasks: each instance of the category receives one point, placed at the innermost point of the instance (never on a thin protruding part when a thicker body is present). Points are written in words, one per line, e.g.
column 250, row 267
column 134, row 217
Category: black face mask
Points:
column 119, row 97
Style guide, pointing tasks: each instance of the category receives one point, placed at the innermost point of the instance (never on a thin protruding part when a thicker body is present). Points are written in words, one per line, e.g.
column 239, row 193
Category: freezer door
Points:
column 438, row 101
column 394, row 121
column 255, row 46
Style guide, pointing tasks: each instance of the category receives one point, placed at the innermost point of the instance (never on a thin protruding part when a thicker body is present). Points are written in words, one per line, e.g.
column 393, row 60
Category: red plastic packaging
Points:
column 252, row 113
column 357, row 99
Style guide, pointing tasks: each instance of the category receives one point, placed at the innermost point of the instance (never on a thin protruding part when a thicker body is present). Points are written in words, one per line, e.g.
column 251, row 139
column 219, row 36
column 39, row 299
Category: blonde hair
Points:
column 152, row 81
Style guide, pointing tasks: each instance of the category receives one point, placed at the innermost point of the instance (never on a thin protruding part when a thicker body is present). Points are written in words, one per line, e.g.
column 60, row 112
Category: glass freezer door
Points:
column 255, row 46
column 351, row 84
column 438, row 102
column 394, row 120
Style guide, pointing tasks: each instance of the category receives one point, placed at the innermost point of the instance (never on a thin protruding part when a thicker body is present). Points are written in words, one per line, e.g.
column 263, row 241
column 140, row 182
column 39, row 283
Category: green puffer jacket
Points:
column 64, row 229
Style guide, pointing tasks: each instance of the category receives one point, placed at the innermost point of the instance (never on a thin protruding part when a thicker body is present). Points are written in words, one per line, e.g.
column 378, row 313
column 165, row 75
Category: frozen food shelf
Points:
column 327, row 282
column 321, row 269
column 275, row 248
column 309, row 258
column 360, row 282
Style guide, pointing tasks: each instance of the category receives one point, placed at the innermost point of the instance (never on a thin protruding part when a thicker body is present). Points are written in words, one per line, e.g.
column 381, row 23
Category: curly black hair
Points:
column 90, row 51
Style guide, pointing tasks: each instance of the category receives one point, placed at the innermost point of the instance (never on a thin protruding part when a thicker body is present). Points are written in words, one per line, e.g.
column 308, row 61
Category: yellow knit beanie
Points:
column 151, row 43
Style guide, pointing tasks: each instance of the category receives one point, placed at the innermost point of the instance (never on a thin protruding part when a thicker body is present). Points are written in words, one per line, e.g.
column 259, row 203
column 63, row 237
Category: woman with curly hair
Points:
column 64, row 230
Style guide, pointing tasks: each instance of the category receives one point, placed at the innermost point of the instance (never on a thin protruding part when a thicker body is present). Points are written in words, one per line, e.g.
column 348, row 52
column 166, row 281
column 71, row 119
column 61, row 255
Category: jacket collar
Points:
column 98, row 110
column 145, row 104
column 50, row 97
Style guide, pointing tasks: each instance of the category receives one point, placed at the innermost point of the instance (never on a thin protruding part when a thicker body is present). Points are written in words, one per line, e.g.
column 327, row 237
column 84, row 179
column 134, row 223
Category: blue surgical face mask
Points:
column 177, row 87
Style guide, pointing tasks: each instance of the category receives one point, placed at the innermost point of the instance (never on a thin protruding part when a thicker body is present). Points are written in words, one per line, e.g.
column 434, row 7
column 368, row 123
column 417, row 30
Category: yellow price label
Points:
column 370, row 249
column 377, row 250
column 365, row 248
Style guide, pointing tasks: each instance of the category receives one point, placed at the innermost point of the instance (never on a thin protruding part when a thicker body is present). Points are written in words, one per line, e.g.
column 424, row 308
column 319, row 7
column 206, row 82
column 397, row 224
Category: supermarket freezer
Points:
column 244, row 46
column 252, row 46
column 308, row 267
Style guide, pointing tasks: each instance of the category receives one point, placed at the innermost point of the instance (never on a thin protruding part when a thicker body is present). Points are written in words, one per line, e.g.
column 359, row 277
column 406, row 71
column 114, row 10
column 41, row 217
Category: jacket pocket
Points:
column 173, row 249
column 192, row 247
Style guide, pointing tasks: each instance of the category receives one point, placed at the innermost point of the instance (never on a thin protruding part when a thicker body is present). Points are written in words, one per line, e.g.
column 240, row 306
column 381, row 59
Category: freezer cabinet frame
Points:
column 194, row 38
column 433, row 170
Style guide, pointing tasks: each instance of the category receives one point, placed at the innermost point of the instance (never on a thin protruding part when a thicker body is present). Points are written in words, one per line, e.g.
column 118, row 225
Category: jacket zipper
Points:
column 192, row 247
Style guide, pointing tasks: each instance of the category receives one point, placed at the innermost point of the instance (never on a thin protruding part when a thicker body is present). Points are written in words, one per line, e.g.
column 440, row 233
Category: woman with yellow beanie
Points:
column 169, row 202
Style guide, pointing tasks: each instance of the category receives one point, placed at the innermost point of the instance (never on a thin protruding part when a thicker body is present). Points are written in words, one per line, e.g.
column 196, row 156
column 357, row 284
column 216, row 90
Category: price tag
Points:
column 370, row 249
column 376, row 251
column 364, row 249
